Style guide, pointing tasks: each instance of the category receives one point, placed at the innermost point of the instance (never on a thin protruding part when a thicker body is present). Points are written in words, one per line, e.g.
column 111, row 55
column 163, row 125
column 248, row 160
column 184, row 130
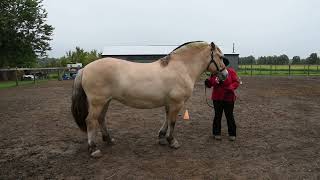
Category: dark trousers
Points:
column 227, row 107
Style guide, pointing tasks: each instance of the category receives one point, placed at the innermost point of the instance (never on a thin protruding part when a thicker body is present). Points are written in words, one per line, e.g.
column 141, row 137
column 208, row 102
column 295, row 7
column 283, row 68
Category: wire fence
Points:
column 23, row 75
column 280, row 70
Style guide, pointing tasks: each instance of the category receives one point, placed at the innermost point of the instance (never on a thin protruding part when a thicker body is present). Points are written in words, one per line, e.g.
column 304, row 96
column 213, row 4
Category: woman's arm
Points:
column 234, row 80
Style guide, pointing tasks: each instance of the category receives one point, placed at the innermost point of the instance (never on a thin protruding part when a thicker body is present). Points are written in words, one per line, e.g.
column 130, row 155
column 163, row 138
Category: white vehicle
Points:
column 28, row 77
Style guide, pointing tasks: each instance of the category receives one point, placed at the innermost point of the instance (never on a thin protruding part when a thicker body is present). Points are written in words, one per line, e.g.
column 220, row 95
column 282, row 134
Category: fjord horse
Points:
column 167, row 82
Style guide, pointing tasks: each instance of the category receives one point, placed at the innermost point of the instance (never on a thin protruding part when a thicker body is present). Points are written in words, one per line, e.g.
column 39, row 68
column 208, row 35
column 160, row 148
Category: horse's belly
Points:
column 140, row 104
column 142, row 100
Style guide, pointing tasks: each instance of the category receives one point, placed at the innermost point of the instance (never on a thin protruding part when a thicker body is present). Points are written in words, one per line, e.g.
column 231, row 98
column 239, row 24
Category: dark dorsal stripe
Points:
column 186, row 44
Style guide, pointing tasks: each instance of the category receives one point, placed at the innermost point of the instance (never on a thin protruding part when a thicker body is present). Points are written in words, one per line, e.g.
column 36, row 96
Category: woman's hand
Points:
column 217, row 80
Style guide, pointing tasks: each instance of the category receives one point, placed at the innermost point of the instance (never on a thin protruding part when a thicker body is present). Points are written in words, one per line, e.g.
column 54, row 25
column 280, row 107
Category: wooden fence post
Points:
column 251, row 67
column 16, row 73
column 289, row 69
column 34, row 78
column 308, row 69
column 260, row 68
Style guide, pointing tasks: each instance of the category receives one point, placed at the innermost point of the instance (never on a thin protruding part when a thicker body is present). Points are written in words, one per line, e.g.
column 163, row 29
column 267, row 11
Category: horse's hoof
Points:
column 163, row 141
column 96, row 154
column 174, row 144
column 111, row 142
column 108, row 140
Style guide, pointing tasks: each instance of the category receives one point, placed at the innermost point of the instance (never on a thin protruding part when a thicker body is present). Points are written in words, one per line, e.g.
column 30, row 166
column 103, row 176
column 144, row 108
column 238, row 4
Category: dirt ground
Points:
column 278, row 121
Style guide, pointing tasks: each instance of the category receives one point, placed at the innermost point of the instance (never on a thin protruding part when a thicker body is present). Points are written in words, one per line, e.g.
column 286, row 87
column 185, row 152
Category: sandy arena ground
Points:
column 278, row 120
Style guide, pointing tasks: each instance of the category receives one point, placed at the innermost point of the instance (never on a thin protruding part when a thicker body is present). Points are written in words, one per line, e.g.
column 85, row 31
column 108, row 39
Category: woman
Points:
column 223, row 97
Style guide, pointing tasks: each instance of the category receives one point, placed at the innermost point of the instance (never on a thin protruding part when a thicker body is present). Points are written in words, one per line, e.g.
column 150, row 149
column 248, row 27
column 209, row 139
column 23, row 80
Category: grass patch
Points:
column 280, row 70
column 8, row 84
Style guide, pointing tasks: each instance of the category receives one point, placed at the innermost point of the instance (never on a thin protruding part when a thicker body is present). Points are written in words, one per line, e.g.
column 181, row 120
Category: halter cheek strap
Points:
column 213, row 61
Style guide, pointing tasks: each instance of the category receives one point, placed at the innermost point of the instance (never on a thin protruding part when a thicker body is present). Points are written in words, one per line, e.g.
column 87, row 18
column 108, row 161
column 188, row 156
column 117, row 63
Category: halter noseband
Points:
column 212, row 60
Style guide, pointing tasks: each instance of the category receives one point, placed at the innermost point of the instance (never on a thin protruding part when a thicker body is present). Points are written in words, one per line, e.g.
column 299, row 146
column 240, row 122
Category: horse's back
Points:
column 121, row 77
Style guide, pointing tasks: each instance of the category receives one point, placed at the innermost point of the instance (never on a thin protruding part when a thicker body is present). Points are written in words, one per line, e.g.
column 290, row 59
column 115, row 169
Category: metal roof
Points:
column 137, row 50
column 141, row 50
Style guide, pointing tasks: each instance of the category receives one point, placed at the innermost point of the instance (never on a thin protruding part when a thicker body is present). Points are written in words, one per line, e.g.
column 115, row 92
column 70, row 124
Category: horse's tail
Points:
column 79, row 105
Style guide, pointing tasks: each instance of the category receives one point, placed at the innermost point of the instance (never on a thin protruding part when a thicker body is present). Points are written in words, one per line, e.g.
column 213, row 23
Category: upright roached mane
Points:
column 165, row 60
column 141, row 85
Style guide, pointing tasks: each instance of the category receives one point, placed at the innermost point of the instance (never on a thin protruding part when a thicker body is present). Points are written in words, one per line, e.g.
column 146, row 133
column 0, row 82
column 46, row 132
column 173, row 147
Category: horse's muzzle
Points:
column 223, row 75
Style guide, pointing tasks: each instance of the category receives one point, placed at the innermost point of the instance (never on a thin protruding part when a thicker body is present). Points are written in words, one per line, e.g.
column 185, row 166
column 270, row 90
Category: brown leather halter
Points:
column 212, row 59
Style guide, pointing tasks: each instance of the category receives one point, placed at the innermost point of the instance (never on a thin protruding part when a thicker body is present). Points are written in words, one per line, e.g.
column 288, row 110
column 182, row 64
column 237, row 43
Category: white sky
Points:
column 257, row 27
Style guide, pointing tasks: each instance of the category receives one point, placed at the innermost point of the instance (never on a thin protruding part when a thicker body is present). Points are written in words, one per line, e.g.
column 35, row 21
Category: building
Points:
column 74, row 66
column 151, row 53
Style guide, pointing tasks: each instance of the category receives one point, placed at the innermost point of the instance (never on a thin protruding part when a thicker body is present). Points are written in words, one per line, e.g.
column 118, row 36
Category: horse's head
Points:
column 218, row 63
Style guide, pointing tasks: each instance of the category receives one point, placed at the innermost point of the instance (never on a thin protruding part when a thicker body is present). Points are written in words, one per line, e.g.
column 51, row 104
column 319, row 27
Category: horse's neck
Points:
column 194, row 65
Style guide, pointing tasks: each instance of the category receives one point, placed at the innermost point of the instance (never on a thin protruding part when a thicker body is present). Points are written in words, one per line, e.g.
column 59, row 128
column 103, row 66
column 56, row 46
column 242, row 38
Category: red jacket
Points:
column 225, row 91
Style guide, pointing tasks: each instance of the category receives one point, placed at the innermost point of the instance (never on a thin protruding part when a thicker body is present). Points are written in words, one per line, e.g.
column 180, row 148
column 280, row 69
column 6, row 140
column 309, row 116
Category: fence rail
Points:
column 290, row 70
column 32, row 71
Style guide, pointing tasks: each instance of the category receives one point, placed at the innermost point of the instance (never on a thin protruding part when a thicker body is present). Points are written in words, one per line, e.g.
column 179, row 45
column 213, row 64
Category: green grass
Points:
column 314, row 67
column 53, row 76
column 8, row 84
column 280, row 70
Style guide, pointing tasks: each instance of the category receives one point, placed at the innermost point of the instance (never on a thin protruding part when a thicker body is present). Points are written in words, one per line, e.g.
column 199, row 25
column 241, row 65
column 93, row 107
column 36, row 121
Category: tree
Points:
column 262, row 60
column 247, row 60
column 78, row 55
column 296, row 60
column 283, row 59
column 312, row 59
column 24, row 35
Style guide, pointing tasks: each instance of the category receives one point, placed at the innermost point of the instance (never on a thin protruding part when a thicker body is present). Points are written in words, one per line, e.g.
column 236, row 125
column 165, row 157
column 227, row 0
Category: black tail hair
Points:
column 79, row 106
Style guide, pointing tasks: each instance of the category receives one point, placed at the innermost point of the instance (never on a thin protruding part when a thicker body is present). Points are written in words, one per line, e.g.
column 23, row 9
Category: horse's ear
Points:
column 213, row 46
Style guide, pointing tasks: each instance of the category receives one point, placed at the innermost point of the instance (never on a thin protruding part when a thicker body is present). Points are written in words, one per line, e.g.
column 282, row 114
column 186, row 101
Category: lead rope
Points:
column 205, row 96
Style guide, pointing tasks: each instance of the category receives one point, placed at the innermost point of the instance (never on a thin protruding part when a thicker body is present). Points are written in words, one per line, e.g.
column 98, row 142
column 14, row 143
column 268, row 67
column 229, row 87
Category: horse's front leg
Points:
column 164, row 128
column 173, row 114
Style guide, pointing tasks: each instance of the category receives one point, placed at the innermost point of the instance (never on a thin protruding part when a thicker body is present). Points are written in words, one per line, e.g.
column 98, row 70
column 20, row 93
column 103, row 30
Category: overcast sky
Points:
column 257, row 27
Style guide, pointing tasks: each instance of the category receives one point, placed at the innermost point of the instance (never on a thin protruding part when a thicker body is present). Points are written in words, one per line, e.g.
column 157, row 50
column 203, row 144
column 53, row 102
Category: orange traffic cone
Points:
column 186, row 115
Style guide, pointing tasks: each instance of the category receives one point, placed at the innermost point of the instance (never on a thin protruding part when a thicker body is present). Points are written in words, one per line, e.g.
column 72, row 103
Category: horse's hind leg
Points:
column 164, row 128
column 95, row 108
column 102, row 121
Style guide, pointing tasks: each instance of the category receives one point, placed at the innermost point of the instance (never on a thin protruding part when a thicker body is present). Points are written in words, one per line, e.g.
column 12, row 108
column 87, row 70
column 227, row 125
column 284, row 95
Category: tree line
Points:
column 25, row 37
column 24, row 34
column 78, row 55
column 280, row 60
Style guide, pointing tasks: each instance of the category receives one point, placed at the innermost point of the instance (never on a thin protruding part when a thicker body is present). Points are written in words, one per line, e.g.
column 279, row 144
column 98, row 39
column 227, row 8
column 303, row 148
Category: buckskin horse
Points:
column 167, row 82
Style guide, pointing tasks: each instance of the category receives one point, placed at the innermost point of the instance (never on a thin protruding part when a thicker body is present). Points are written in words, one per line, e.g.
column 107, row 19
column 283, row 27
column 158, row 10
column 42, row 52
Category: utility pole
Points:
column 233, row 48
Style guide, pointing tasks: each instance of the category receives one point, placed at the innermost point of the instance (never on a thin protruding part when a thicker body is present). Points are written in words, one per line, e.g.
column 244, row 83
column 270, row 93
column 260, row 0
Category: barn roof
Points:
column 139, row 50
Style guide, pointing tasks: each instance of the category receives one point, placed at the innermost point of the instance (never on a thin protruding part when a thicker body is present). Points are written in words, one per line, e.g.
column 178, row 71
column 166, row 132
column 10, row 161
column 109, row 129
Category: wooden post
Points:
column 308, row 69
column 34, row 78
column 16, row 73
column 289, row 69
column 251, row 67
column 260, row 69
column 270, row 69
